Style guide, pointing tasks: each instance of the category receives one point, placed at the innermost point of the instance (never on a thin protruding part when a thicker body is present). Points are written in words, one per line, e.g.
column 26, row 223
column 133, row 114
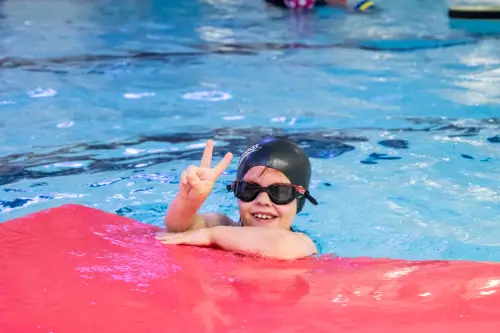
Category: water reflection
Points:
column 82, row 158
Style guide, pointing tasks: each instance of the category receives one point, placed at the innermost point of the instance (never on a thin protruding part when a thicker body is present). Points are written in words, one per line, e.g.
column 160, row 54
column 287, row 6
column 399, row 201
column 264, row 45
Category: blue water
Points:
column 398, row 110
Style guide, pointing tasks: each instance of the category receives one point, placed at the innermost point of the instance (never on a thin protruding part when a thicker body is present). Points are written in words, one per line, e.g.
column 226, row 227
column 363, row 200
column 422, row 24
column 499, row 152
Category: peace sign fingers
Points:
column 206, row 159
column 223, row 164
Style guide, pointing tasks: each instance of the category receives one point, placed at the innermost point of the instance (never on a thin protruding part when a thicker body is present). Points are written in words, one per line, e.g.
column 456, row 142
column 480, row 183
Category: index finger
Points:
column 219, row 168
column 206, row 159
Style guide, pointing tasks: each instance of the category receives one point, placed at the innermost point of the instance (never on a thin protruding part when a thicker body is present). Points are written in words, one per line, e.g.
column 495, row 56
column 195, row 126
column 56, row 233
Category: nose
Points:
column 263, row 199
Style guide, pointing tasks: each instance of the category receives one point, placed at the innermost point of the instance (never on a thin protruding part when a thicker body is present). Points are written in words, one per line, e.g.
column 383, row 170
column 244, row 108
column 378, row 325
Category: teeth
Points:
column 263, row 216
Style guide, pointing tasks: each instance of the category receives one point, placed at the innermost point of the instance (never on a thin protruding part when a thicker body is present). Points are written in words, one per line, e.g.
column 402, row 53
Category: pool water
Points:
column 104, row 103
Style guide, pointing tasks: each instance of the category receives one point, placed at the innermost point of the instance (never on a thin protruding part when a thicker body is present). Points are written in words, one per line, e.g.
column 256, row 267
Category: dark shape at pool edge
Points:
column 395, row 143
column 374, row 157
column 468, row 157
column 317, row 143
column 494, row 139
column 206, row 49
column 20, row 202
column 468, row 132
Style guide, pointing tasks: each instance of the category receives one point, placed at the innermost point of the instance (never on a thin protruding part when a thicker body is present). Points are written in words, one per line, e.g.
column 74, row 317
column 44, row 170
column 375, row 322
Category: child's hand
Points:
column 197, row 182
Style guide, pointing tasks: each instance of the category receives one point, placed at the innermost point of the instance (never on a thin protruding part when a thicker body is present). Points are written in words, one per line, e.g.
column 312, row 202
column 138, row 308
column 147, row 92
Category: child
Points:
column 271, row 186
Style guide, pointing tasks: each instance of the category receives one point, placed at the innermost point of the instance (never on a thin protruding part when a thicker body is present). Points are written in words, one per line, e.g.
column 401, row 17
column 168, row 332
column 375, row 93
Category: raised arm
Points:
column 195, row 186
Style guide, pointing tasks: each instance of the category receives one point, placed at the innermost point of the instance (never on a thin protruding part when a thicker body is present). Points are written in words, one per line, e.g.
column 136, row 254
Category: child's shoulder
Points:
column 309, row 238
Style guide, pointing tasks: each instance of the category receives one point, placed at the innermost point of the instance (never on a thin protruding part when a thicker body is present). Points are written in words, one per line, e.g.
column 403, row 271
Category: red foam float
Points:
column 81, row 270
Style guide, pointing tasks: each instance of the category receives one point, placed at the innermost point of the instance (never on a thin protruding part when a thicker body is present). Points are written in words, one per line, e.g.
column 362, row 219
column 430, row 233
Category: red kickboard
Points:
column 81, row 270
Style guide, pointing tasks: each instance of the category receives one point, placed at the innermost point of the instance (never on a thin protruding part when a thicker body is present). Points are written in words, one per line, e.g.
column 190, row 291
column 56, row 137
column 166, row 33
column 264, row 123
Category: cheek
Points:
column 244, row 207
column 287, row 210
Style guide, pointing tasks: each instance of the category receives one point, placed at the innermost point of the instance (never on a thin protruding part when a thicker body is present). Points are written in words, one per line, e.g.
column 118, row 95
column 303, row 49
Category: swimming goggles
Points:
column 280, row 194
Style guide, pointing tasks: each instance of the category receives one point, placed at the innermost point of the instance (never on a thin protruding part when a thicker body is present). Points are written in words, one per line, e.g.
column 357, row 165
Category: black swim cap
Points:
column 283, row 155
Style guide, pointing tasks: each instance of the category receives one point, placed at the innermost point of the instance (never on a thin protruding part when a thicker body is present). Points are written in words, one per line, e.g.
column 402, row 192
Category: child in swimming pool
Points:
column 271, row 187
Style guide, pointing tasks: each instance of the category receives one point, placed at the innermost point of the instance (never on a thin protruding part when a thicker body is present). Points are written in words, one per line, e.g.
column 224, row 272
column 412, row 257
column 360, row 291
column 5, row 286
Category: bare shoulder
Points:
column 307, row 242
column 215, row 219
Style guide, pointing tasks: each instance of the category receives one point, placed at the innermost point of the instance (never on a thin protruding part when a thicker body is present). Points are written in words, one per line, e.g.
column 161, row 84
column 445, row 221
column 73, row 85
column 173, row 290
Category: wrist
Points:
column 188, row 203
column 214, row 233
column 181, row 214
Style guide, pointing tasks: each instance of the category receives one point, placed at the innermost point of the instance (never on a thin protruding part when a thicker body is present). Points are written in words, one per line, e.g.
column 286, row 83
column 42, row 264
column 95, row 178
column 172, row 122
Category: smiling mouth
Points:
column 264, row 217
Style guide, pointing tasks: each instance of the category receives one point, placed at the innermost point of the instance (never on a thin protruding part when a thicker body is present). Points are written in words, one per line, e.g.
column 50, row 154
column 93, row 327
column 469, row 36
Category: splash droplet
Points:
column 40, row 92
column 209, row 96
column 138, row 95
column 65, row 124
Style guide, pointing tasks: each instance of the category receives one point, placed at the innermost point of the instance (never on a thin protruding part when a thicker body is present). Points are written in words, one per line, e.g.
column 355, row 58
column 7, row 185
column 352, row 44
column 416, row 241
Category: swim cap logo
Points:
column 248, row 151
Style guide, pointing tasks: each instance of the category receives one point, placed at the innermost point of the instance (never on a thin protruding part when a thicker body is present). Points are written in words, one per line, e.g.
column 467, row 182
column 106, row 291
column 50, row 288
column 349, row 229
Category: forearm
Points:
column 182, row 214
column 275, row 243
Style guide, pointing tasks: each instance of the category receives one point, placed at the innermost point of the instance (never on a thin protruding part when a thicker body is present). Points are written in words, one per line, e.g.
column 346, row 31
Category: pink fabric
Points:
column 79, row 269
column 307, row 4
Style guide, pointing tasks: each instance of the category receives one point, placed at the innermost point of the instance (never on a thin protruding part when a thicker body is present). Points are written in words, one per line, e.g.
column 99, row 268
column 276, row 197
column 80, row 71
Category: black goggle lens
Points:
column 280, row 194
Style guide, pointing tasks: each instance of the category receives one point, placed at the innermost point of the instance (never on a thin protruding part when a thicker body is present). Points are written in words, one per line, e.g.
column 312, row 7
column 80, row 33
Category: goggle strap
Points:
column 310, row 198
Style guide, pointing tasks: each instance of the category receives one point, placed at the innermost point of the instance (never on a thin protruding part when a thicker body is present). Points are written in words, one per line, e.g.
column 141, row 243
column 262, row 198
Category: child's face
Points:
column 258, row 211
